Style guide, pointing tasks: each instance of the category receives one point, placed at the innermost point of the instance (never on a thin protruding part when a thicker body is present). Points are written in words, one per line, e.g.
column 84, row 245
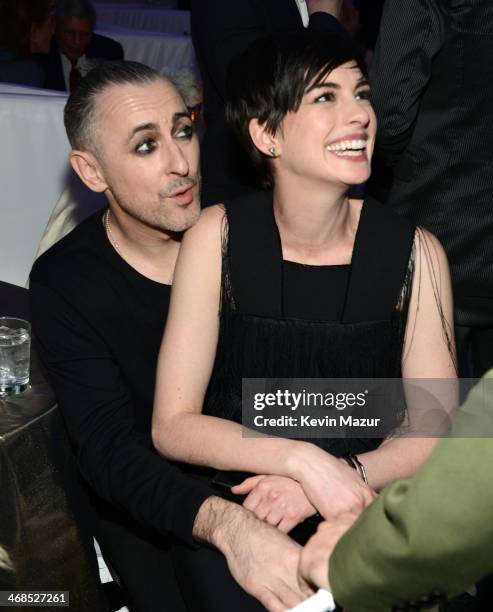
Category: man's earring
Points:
column 272, row 151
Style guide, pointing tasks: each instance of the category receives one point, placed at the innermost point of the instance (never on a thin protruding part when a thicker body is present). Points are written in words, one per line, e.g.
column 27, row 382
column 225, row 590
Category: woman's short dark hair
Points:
column 269, row 80
column 16, row 20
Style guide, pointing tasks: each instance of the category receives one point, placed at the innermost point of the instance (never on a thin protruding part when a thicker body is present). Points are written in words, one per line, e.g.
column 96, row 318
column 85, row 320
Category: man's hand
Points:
column 315, row 556
column 278, row 500
column 333, row 7
column 262, row 560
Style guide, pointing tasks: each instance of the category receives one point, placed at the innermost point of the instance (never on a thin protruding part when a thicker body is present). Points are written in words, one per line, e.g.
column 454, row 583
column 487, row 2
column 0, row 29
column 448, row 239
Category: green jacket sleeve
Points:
column 430, row 533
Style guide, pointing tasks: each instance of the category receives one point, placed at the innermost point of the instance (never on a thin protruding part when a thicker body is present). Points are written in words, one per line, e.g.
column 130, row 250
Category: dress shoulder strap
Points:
column 379, row 265
column 254, row 255
column 380, row 261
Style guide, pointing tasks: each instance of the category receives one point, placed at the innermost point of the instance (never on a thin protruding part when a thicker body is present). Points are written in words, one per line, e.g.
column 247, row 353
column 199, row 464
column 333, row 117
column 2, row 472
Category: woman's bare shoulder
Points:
column 429, row 249
column 207, row 230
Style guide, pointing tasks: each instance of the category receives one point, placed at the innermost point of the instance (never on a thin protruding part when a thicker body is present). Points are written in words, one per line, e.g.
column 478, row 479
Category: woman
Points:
column 379, row 298
column 26, row 28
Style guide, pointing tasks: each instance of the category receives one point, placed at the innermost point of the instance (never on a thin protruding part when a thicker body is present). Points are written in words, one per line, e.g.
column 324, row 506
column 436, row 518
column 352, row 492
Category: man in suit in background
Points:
column 221, row 30
column 431, row 89
column 75, row 48
column 424, row 538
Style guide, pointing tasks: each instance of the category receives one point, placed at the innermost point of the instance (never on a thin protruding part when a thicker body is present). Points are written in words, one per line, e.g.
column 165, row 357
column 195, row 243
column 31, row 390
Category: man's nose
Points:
column 77, row 40
column 176, row 162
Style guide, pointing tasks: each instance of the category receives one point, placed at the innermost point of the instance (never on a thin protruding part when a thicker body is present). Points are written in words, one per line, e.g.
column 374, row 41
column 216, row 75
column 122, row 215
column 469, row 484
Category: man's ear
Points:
column 265, row 142
column 88, row 169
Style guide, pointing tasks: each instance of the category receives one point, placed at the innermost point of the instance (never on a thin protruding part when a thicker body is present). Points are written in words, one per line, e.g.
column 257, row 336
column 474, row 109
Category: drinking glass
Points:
column 15, row 344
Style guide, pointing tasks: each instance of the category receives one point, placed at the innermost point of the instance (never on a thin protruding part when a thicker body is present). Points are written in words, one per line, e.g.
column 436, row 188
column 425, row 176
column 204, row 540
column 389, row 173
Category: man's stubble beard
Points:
column 162, row 214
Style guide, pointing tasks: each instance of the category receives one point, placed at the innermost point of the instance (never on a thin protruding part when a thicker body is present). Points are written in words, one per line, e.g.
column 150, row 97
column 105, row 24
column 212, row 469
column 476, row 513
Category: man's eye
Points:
column 186, row 132
column 325, row 97
column 145, row 147
column 364, row 94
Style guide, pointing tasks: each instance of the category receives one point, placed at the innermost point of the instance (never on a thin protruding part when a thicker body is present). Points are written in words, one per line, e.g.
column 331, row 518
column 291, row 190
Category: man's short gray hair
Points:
column 82, row 9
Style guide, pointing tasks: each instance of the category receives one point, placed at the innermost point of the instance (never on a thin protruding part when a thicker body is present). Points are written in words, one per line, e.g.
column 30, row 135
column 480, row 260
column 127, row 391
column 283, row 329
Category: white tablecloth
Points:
column 8, row 88
column 153, row 3
column 33, row 171
column 164, row 52
column 142, row 17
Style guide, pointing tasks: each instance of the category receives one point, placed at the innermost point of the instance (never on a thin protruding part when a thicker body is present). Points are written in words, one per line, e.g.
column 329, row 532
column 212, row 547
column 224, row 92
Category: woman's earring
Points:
column 272, row 151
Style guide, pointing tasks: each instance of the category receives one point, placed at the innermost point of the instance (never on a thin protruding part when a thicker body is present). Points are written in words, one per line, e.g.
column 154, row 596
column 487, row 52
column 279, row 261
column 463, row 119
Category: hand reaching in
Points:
column 315, row 556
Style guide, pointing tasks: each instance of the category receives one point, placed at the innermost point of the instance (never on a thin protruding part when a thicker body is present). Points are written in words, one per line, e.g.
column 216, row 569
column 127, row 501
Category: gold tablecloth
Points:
column 40, row 544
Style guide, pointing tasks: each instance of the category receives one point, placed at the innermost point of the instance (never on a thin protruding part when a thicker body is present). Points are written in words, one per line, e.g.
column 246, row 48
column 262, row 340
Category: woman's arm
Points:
column 181, row 432
column 429, row 353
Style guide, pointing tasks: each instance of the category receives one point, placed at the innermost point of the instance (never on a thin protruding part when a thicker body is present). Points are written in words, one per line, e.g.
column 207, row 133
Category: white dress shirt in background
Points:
column 303, row 9
column 84, row 64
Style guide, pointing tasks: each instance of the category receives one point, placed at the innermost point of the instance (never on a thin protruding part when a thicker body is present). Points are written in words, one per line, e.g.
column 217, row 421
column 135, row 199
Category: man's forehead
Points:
column 71, row 22
column 136, row 102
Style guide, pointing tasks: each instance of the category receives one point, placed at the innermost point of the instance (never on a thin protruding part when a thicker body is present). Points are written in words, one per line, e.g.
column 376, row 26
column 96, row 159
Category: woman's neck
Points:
column 316, row 227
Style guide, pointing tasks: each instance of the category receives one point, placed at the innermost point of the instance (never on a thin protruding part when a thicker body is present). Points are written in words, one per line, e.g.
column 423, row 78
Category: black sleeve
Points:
column 323, row 22
column 220, row 31
column 118, row 462
column 411, row 35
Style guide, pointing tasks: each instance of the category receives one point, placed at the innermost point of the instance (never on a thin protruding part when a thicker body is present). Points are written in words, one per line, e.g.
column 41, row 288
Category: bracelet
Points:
column 361, row 468
column 355, row 463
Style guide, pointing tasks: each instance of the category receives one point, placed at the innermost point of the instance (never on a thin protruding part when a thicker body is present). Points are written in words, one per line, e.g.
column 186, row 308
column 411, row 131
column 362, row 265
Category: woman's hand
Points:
column 278, row 500
column 331, row 486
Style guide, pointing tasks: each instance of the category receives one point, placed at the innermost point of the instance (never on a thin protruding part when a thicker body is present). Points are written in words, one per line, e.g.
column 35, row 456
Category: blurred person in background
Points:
column 26, row 28
column 431, row 89
column 76, row 48
column 432, row 84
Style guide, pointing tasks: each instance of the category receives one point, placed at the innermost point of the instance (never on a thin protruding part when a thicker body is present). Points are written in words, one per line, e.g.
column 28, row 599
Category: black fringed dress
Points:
column 281, row 319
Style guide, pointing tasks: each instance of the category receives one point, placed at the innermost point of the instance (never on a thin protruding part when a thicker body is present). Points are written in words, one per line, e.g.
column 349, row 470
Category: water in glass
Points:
column 15, row 342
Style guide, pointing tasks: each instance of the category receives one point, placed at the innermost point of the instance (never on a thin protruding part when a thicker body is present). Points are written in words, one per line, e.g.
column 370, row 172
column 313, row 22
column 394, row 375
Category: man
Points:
column 222, row 29
column 75, row 48
column 431, row 90
column 423, row 538
column 99, row 299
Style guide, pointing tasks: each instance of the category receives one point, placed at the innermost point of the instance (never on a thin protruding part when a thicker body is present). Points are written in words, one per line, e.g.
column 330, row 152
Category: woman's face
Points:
column 41, row 36
column 330, row 138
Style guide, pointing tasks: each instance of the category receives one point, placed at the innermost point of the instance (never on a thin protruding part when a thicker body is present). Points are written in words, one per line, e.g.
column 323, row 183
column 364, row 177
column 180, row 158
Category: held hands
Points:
column 315, row 556
column 317, row 481
column 278, row 500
